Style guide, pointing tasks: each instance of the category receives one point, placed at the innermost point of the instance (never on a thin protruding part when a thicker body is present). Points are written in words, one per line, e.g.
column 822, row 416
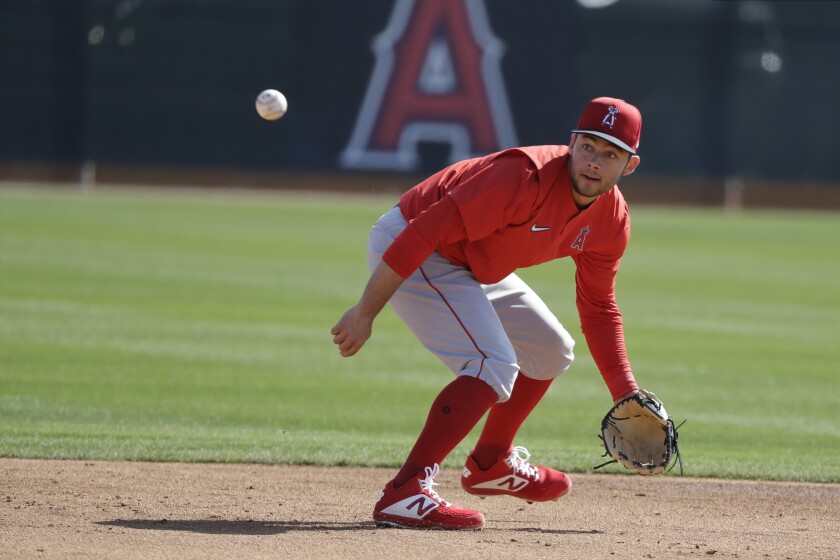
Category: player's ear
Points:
column 631, row 165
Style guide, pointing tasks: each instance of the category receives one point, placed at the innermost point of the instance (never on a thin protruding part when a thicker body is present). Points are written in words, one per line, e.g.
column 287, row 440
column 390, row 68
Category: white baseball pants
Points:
column 486, row 331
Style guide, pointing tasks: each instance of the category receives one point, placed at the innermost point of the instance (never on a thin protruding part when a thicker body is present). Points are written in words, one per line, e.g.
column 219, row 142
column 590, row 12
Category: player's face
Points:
column 595, row 165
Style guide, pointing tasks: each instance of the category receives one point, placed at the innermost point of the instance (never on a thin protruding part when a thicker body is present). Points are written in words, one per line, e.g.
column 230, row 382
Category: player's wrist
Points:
column 627, row 396
column 367, row 311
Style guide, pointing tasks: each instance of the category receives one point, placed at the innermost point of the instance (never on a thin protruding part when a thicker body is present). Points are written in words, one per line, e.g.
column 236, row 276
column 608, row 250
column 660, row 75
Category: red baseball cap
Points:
column 614, row 120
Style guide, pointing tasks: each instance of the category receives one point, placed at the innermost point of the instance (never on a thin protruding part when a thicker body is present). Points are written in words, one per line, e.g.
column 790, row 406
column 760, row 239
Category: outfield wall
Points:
column 738, row 96
column 660, row 191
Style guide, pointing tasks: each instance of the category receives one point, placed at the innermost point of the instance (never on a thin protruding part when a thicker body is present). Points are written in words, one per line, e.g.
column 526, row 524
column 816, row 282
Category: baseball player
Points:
column 444, row 258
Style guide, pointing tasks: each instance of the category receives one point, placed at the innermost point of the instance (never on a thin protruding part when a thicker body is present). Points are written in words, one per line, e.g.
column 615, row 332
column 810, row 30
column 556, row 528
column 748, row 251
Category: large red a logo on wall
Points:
column 436, row 79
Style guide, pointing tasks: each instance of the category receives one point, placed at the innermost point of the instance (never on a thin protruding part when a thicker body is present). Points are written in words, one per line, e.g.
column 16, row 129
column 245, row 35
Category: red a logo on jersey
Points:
column 436, row 79
column 581, row 239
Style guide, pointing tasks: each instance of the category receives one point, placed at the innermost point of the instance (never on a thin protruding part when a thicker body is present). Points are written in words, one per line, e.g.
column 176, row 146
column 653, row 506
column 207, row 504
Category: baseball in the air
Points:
column 271, row 104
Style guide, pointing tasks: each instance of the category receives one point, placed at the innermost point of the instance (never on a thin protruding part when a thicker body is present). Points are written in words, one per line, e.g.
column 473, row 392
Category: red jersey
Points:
column 514, row 209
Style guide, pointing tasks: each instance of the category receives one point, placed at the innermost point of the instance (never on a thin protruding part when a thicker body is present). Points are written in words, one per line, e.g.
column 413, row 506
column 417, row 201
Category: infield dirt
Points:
column 77, row 509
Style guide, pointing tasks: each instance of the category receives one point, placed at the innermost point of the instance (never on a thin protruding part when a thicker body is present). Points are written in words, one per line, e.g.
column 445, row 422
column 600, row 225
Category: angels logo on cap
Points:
column 614, row 120
column 609, row 119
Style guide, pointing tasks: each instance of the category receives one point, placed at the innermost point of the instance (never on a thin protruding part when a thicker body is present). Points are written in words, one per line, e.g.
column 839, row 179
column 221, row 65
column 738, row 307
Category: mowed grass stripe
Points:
column 195, row 326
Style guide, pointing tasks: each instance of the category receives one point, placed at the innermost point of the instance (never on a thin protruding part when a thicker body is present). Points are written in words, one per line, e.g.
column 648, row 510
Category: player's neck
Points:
column 581, row 201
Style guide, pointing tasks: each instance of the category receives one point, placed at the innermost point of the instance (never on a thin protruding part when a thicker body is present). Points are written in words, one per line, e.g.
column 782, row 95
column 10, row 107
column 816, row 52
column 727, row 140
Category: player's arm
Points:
column 411, row 247
column 354, row 328
column 601, row 322
column 440, row 224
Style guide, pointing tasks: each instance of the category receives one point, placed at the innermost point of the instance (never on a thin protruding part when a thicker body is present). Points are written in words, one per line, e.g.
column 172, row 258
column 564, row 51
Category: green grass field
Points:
column 194, row 326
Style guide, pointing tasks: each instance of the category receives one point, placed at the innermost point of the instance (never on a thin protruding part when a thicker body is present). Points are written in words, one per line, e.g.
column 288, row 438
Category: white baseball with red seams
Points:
column 271, row 104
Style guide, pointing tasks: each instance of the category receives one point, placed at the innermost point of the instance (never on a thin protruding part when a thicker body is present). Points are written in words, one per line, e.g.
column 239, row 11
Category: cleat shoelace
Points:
column 427, row 485
column 520, row 464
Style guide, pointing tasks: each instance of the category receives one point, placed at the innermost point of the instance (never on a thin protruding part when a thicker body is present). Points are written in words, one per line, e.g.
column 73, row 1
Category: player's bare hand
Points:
column 352, row 331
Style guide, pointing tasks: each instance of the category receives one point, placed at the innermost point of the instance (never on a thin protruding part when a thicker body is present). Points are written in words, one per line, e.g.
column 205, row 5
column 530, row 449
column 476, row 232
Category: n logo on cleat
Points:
column 509, row 483
column 415, row 507
column 424, row 506
column 514, row 483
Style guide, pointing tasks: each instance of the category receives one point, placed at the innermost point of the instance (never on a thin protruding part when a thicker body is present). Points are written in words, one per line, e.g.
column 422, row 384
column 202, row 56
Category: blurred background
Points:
column 739, row 98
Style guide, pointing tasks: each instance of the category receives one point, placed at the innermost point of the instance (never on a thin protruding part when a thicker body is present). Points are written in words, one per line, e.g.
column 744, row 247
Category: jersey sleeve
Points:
column 600, row 317
column 485, row 200
column 437, row 225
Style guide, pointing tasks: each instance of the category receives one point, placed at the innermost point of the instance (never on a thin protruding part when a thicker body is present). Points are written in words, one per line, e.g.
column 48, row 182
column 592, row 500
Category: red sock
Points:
column 505, row 419
column 454, row 413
